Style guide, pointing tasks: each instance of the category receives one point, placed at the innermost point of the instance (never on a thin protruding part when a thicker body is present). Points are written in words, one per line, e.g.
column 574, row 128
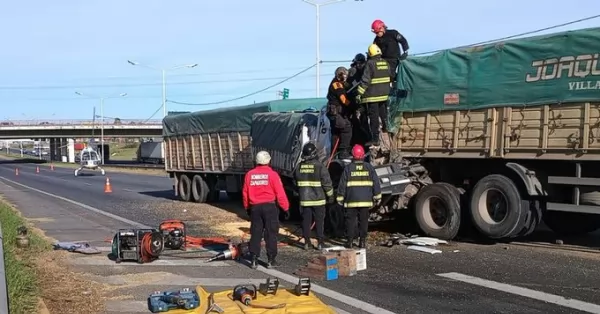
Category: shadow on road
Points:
column 21, row 161
column 164, row 194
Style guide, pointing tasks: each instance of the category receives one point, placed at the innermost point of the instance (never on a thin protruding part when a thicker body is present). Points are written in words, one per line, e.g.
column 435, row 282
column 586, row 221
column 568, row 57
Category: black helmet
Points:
column 359, row 58
column 309, row 151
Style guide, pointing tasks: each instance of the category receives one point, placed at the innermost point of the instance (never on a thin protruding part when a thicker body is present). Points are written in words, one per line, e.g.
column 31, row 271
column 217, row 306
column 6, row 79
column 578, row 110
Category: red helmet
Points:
column 377, row 26
column 358, row 152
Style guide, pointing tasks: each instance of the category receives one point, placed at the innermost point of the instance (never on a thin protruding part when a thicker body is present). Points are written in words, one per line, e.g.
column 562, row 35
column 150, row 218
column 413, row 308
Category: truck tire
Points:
column 185, row 188
column 199, row 189
column 571, row 224
column 534, row 218
column 442, row 197
column 507, row 197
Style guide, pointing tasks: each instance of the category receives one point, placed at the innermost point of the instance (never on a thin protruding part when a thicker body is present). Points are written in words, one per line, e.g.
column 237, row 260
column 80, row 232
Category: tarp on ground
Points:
column 555, row 68
column 234, row 119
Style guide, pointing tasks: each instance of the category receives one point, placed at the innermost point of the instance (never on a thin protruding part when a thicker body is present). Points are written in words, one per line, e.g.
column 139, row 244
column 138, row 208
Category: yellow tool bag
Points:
column 268, row 299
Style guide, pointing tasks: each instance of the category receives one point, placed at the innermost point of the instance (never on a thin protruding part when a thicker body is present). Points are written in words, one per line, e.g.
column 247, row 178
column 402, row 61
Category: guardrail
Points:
column 3, row 285
column 42, row 122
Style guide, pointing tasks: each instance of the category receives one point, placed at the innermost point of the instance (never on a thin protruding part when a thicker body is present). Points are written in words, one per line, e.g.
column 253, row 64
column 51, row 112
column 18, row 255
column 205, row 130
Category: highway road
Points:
column 465, row 278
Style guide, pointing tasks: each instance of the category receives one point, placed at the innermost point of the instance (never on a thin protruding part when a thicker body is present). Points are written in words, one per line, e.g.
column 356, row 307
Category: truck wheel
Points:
column 437, row 210
column 199, row 189
column 571, row 224
column 496, row 207
column 534, row 218
column 185, row 187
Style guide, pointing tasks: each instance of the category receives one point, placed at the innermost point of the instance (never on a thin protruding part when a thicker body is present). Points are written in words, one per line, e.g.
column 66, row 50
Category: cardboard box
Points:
column 346, row 263
column 324, row 267
column 361, row 259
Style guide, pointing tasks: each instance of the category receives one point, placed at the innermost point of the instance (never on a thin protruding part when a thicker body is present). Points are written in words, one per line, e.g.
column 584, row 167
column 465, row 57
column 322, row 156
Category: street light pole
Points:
column 318, row 6
column 101, row 117
column 164, row 80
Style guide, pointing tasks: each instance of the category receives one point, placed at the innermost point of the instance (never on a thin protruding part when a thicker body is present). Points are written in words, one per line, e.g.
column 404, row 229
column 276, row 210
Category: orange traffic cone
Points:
column 37, row 169
column 52, row 167
column 16, row 171
column 107, row 187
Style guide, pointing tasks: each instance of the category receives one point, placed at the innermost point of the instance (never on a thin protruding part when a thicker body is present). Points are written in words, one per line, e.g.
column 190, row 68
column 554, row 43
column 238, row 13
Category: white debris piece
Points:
column 423, row 241
column 423, row 249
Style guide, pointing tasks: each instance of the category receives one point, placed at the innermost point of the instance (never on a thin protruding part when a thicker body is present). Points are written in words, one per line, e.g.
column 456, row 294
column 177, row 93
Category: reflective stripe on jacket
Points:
column 375, row 82
column 359, row 185
column 314, row 183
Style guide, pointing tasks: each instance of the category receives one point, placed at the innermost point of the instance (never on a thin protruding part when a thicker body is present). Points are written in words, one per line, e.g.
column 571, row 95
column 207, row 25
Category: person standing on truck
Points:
column 315, row 190
column 356, row 69
column 262, row 193
column 360, row 123
column 373, row 91
column 358, row 191
column 339, row 111
column 390, row 41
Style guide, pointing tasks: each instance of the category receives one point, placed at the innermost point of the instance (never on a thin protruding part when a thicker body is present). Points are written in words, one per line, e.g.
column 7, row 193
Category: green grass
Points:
column 123, row 151
column 21, row 274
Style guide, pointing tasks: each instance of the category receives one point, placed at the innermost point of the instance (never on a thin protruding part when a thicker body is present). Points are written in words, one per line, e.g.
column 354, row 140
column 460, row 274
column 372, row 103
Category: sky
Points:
column 53, row 49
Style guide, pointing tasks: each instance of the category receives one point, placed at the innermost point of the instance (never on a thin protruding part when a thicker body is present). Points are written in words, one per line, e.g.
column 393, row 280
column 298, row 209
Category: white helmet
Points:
column 263, row 158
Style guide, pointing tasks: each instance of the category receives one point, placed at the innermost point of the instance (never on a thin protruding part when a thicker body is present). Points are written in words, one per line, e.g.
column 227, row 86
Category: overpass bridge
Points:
column 61, row 133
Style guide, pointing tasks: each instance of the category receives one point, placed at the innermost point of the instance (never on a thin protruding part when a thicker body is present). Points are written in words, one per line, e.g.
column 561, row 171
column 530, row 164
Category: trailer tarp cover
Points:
column 234, row 119
column 555, row 68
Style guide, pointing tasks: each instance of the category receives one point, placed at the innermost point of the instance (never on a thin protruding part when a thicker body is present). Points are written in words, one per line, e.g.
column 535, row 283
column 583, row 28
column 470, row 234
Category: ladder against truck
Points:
column 504, row 145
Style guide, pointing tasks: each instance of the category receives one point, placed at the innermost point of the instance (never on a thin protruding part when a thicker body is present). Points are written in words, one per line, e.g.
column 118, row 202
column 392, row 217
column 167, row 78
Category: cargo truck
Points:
column 503, row 136
column 150, row 152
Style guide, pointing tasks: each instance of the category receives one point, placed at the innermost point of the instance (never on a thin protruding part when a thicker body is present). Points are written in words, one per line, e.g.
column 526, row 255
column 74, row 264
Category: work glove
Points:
column 286, row 214
column 404, row 55
column 377, row 201
column 249, row 212
column 358, row 98
column 330, row 199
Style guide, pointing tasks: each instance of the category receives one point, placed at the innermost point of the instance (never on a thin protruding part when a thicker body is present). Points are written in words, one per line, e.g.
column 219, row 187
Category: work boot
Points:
column 254, row 262
column 349, row 243
column 272, row 263
column 320, row 246
column 307, row 244
column 362, row 243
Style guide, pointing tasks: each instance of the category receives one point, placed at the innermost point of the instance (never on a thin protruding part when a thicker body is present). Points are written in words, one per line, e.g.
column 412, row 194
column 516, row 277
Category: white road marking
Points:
column 524, row 292
column 128, row 190
column 92, row 261
column 122, row 306
column 367, row 307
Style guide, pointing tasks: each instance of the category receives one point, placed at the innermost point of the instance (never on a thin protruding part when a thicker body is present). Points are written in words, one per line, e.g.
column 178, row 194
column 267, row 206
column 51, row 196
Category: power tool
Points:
column 185, row 299
column 174, row 233
column 140, row 245
column 234, row 252
column 244, row 293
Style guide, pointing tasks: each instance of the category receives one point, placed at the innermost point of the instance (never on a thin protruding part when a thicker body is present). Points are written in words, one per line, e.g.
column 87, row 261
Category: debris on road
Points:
column 424, row 249
column 78, row 247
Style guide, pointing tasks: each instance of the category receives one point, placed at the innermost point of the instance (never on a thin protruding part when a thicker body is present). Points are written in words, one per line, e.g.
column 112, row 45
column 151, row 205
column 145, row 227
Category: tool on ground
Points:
column 174, row 233
column 270, row 287
column 107, row 187
column 234, row 252
column 212, row 306
column 185, row 299
column 245, row 293
column 303, row 287
column 140, row 245
column 394, row 239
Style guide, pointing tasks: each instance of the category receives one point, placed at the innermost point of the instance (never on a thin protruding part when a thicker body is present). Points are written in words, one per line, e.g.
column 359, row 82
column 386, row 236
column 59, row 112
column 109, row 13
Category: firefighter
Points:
column 339, row 111
column 262, row 194
column 356, row 69
column 389, row 41
column 315, row 191
column 358, row 191
column 374, row 90
column 360, row 123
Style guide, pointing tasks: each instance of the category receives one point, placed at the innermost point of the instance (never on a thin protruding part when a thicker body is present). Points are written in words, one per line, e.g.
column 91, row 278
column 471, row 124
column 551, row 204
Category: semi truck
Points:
column 150, row 152
column 503, row 136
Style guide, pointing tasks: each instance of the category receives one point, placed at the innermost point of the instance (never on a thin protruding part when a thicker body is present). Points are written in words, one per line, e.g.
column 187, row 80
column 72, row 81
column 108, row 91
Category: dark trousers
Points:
column 342, row 128
column 394, row 68
column 318, row 213
column 362, row 213
column 264, row 217
column 376, row 111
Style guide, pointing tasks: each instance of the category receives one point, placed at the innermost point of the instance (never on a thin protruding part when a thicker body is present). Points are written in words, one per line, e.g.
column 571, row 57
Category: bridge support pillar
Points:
column 53, row 150
column 62, row 148
column 71, row 150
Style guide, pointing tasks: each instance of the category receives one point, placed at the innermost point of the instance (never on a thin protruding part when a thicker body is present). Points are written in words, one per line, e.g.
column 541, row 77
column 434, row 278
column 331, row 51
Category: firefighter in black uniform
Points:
column 339, row 111
column 389, row 41
column 358, row 192
column 374, row 91
column 360, row 123
column 315, row 191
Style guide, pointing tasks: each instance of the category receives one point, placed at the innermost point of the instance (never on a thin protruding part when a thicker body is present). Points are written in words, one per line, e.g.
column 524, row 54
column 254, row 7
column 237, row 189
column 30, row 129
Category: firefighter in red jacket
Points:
column 262, row 194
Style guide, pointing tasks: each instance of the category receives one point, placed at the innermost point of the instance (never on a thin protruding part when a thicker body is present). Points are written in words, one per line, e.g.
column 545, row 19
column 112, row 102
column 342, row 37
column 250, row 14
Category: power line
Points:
column 497, row 39
column 155, row 112
column 245, row 96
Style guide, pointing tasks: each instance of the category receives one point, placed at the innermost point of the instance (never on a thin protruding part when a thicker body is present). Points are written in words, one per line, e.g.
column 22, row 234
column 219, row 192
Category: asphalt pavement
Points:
column 465, row 278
